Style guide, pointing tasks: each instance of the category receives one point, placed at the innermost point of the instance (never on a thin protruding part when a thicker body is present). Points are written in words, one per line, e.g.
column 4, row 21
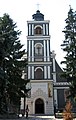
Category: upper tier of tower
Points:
column 38, row 26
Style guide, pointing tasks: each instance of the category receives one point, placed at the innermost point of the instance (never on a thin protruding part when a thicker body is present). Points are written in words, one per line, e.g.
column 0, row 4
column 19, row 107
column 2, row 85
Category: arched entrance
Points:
column 39, row 106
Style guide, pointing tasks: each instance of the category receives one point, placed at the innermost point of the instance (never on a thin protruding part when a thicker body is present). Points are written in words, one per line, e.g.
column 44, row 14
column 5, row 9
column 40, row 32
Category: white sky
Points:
column 54, row 10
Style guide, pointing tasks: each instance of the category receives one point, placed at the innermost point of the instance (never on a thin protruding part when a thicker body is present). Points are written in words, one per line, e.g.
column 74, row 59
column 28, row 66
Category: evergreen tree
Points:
column 12, row 85
column 69, row 46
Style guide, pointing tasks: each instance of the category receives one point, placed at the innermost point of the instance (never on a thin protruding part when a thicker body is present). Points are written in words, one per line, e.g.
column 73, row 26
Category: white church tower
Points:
column 39, row 66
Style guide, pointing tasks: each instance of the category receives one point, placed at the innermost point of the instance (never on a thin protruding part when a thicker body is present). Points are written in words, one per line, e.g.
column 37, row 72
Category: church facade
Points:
column 48, row 89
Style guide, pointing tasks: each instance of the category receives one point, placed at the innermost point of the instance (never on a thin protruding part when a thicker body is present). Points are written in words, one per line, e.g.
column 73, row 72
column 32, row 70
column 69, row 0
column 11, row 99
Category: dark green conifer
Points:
column 69, row 47
column 12, row 85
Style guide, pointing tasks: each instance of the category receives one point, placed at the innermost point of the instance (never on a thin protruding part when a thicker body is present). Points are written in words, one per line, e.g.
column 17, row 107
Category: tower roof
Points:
column 38, row 16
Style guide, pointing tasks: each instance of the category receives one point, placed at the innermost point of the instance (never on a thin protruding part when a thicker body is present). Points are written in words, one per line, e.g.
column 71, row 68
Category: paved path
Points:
column 35, row 118
column 41, row 118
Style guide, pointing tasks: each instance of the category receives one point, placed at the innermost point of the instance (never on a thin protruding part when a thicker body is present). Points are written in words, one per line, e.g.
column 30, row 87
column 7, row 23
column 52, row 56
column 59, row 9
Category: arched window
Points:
column 38, row 30
column 38, row 73
column 38, row 49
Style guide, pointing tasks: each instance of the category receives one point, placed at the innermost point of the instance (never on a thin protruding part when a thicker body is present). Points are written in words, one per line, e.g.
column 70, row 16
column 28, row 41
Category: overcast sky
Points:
column 54, row 10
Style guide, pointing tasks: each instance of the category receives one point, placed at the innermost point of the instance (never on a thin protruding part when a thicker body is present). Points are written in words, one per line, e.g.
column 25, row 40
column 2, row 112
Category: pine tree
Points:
column 12, row 85
column 69, row 47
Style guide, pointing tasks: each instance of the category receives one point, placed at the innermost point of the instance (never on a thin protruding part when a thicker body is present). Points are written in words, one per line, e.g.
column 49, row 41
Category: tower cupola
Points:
column 38, row 16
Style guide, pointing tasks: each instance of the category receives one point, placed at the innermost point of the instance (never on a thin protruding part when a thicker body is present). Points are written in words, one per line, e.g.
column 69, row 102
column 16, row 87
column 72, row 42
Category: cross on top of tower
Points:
column 38, row 6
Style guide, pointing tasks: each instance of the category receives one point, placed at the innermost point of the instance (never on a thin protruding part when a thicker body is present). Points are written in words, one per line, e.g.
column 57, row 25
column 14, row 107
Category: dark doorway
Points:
column 39, row 106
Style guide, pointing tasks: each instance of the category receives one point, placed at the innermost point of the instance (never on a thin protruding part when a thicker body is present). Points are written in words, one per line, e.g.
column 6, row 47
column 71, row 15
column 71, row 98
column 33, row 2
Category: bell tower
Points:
column 39, row 66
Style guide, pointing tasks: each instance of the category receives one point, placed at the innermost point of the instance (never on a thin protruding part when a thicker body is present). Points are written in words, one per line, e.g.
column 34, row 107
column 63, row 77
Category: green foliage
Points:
column 12, row 84
column 69, row 46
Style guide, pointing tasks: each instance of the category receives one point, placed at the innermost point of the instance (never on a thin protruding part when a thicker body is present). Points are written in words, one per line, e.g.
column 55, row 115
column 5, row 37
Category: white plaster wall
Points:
column 40, row 90
column 36, row 86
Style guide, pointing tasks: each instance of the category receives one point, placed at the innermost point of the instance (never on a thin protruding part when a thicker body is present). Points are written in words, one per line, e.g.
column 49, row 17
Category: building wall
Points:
column 43, row 70
column 41, row 90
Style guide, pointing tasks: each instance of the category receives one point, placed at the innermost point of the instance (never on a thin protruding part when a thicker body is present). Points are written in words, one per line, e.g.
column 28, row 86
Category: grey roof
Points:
column 38, row 16
column 59, row 73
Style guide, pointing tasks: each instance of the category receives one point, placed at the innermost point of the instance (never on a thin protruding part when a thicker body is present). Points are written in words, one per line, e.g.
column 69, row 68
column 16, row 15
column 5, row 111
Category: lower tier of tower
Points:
column 41, row 97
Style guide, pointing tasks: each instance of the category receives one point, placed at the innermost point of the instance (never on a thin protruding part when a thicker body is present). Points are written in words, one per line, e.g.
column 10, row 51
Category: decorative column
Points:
column 32, row 29
column 48, row 59
column 43, row 29
column 44, row 51
column 28, row 72
column 46, row 29
column 54, row 68
column 45, row 74
column 32, row 72
column 29, row 29
column 48, row 72
column 29, row 51
column 32, row 50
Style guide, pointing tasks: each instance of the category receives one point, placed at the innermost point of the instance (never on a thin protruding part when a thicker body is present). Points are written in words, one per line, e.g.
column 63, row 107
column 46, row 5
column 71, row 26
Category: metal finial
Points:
column 38, row 6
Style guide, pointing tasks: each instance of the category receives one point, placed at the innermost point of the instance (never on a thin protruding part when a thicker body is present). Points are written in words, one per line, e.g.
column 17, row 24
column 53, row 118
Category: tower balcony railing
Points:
column 39, row 57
